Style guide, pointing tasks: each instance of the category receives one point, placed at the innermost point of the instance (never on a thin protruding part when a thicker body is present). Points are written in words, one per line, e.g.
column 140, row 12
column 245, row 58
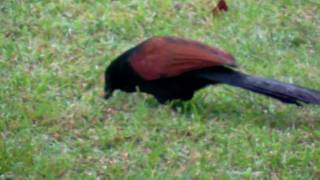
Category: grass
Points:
column 54, row 123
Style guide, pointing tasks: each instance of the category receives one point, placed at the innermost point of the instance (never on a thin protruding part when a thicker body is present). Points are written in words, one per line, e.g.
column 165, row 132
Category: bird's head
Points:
column 119, row 75
column 108, row 86
column 112, row 78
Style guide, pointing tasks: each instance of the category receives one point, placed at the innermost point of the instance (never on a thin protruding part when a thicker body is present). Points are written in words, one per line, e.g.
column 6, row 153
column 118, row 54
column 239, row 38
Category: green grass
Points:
column 54, row 123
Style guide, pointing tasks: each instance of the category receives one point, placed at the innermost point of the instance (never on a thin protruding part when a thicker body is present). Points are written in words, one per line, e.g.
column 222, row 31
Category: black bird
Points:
column 173, row 68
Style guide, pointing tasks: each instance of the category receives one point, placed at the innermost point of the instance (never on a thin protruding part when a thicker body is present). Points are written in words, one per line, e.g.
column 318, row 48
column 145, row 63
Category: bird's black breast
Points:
column 166, row 89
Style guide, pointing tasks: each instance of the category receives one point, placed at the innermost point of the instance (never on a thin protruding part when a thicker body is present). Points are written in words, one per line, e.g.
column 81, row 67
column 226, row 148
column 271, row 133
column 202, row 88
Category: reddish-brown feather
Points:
column 163, row 57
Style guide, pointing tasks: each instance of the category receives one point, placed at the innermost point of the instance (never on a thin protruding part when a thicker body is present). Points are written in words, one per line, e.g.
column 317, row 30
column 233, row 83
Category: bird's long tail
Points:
column 285, row 92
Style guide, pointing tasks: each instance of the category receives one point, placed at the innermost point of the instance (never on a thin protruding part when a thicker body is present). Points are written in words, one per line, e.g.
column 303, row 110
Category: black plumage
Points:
column 174, row 68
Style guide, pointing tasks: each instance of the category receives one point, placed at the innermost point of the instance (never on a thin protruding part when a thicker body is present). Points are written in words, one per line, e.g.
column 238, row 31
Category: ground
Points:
column 54, row 123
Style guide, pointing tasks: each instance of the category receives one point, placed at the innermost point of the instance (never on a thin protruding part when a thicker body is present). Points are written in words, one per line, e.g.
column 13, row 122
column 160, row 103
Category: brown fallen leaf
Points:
column 56, row 136
column 220, row 7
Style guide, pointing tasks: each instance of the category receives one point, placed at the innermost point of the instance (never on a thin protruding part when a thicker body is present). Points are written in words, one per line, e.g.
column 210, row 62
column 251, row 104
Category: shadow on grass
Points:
column 256, row 110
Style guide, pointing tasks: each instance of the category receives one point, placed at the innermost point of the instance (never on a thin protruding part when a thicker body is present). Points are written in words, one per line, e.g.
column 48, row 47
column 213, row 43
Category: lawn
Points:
column 54, row 123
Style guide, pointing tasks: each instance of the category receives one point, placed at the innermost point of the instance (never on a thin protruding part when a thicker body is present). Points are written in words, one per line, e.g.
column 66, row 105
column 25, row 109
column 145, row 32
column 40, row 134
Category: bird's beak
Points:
column 107, row 94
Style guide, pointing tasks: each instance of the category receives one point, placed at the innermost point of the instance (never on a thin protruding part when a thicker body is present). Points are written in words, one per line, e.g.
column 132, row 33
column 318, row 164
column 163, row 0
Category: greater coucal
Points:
column 174, row 68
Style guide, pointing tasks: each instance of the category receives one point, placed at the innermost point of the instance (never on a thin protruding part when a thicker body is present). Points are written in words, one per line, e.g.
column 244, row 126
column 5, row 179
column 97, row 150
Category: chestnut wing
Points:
column 164, row 57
